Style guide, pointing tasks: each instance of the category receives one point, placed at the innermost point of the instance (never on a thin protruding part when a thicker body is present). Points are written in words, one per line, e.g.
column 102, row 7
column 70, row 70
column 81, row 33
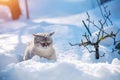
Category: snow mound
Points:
column 6, row 59
column 116, row 61
column 63, row 70
column 73, row 63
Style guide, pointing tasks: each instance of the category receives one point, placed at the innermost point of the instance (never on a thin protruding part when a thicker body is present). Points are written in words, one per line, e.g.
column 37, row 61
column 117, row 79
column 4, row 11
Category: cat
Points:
column 42, row 45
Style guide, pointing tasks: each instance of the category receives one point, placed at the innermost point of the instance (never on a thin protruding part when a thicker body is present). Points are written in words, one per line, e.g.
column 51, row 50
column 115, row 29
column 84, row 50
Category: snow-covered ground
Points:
column 73, row 63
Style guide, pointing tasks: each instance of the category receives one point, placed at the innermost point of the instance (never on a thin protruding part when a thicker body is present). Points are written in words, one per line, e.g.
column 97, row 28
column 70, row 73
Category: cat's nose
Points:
column 46, row 44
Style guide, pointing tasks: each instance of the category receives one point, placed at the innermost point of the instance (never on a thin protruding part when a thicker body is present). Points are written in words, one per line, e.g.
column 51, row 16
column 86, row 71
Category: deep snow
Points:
column 74, row 63
column 62, row 70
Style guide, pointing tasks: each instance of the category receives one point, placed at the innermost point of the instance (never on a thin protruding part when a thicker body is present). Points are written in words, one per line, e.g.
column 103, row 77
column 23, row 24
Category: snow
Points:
column 109, row 41
column 62, row 70
column 7, row 59
column 55, row 8
column 73, row 63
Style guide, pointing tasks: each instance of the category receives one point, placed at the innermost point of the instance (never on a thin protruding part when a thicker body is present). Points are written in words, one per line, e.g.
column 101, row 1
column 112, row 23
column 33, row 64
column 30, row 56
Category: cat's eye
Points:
column 37, row 38
column 49, row 41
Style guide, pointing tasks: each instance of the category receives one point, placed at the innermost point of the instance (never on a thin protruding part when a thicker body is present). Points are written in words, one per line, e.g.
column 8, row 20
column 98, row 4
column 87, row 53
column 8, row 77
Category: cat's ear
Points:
column 50, row 34
column 34, row 34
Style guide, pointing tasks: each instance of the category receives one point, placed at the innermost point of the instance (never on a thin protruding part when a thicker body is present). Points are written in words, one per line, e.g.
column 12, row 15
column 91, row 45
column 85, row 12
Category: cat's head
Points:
column 43, row 39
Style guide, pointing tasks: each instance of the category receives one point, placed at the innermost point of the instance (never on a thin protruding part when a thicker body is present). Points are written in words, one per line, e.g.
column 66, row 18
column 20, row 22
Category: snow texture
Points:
column 64, row 17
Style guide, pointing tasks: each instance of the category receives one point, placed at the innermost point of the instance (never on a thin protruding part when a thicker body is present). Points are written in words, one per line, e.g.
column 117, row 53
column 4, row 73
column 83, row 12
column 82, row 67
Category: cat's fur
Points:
column 42, row 45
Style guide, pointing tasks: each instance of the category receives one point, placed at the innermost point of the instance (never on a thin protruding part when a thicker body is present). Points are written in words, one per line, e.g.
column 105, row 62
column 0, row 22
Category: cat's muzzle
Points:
column 45, row 44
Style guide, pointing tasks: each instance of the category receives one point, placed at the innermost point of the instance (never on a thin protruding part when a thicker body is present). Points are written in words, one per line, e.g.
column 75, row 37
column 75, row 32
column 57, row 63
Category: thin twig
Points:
column 87, row 28
column 101, row 11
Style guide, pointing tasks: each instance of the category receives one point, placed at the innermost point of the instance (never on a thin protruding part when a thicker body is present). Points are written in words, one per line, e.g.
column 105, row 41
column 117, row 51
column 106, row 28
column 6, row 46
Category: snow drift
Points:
column 74, row 63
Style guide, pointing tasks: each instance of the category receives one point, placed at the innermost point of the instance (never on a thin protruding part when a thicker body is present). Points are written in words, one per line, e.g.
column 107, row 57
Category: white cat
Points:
column 42, row 45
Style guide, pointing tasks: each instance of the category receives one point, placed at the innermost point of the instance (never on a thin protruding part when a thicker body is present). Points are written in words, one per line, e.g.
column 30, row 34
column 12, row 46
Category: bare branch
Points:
column 101, row 11
column 107, row 14
column 74, row 44
column 87, row 28
column 103, row 55
column 90, row 51
column 117, row 31
column 101, row 35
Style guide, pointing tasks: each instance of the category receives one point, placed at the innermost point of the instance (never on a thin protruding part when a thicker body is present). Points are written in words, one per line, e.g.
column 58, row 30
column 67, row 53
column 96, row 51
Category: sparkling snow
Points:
column 73, row 63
